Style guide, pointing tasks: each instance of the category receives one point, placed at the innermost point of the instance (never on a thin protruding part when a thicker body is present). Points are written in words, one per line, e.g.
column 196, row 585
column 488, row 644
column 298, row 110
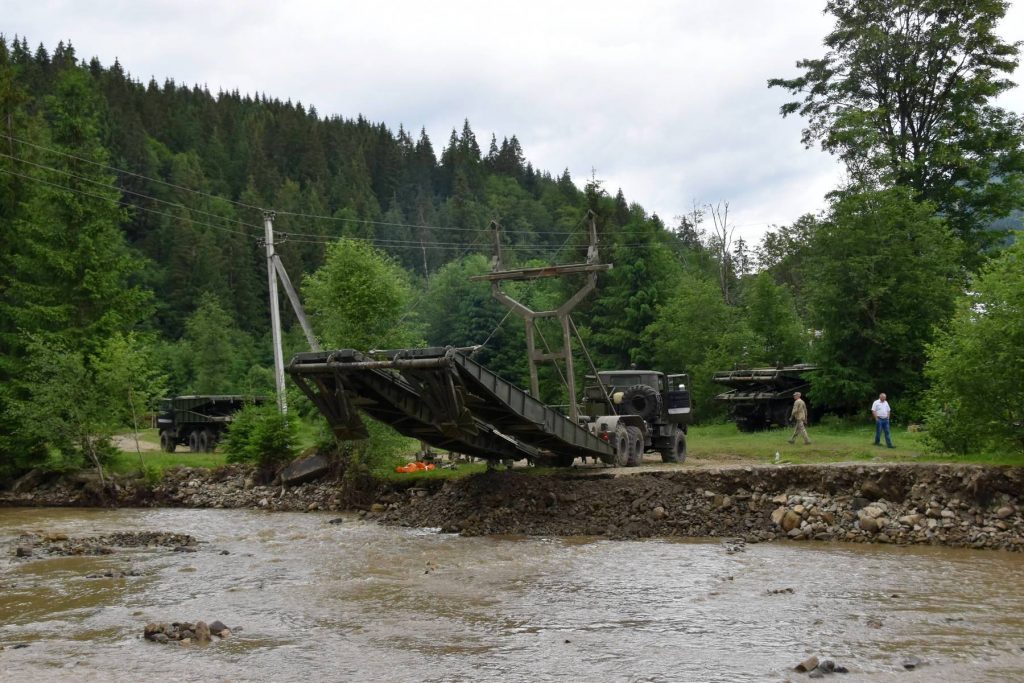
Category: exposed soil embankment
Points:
column 955, row 505
column 964, row 506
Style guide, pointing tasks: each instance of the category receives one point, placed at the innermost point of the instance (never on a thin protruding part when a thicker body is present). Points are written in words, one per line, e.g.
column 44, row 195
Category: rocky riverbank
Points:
column 953, row 505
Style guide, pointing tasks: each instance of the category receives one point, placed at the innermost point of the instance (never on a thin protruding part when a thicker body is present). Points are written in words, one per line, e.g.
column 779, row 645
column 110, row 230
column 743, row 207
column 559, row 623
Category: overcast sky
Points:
column 666, row 100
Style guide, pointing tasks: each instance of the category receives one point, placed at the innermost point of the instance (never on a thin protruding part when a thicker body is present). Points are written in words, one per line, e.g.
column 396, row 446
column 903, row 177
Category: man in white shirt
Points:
column 880, row 411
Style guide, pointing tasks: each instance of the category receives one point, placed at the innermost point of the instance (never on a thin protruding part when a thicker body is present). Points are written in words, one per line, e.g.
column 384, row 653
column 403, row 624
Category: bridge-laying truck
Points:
column 639, row 411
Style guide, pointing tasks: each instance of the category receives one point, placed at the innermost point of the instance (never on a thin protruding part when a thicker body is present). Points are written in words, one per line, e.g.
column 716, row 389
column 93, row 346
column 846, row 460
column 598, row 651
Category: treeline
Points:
column 131, row 262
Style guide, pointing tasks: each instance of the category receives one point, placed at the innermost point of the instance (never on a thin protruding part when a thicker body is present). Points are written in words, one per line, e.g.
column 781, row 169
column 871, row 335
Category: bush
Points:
column 383, row 450
column 262, row 436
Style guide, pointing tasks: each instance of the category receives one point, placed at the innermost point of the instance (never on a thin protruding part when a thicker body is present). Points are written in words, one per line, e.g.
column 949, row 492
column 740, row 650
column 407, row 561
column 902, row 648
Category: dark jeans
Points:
column 882, row 426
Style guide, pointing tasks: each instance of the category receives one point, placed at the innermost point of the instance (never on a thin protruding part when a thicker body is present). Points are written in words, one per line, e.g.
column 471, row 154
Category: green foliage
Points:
column 976, row 400
column 698, row 333
column 881, row 274
column 903, row 96
column 260, row 435
column 771, row 314
column 644, row 277
column 208, row 332
column 360, row 299
column 74, row 403
column 385, row 449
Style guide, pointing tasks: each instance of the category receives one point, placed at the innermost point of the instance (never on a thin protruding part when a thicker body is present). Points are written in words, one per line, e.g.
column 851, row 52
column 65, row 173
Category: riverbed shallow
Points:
column 312, row 600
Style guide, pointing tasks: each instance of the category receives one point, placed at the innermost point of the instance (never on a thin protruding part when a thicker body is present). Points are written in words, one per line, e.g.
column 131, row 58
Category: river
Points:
column 355, row 601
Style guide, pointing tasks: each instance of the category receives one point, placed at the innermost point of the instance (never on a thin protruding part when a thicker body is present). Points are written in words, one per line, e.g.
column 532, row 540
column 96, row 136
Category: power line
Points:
column 176, row 205
column 124, row 203
column 130, row 173
column 251, row 206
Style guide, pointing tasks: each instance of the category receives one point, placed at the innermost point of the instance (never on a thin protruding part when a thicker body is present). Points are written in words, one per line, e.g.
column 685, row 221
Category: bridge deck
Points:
column 442, row 397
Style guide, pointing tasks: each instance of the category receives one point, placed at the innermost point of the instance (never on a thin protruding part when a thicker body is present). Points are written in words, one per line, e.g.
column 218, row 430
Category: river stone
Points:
column 658, row 513
column 912, row 662
column 911, row 520
column 869, row 524
column 781, row 499
column 217, row 627
column 23, row 551
column 872, row 511
column 305, row 469
column 790, row 521
column 808, row 664
column 202, row 632
column 378, row 507
column 778, row 514
column 27, row 481
column 1004, row 512
column 160, row 638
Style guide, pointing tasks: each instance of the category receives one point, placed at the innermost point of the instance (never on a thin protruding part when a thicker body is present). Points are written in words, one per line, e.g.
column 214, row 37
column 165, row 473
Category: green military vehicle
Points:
column 198, row 421
column 639, row 411
column 760, row 398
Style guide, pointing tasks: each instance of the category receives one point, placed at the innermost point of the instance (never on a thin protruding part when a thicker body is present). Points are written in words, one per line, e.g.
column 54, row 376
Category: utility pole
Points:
column 590, row 269
column 275, row 312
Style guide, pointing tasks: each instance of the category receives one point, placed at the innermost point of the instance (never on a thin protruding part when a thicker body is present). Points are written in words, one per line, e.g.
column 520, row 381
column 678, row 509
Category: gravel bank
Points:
column 952, row 505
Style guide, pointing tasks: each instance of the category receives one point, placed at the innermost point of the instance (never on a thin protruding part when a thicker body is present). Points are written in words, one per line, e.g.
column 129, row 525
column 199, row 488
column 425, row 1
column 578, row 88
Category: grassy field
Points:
column 829, row 443
column 153, row 457
column 720, row 443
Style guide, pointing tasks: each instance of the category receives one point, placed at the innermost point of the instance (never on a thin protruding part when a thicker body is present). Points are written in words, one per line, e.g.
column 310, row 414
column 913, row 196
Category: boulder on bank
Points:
column 305, row 469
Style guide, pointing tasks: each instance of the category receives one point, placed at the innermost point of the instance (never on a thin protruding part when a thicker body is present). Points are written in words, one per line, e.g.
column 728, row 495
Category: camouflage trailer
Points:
column 762, row 397
column 198, row 421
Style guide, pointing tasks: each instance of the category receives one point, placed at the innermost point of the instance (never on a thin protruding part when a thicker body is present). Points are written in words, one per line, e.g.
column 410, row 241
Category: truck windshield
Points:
column 628, row 380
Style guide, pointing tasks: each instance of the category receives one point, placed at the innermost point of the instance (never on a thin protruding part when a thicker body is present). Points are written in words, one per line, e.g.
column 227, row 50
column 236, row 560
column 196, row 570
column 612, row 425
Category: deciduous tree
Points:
column 903, row 95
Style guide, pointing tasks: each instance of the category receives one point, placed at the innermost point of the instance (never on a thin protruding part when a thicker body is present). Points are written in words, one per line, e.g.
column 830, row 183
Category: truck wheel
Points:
column 636, row 446
column 167, row 442
column 193, row 442
column 620, row 439
column 641, row 400
column 676, row 451
column 208, row 440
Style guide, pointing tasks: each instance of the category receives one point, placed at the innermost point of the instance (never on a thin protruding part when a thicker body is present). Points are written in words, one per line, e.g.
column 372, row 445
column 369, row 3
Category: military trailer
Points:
column 198, row 421
column 639, row 411
column 759, row 398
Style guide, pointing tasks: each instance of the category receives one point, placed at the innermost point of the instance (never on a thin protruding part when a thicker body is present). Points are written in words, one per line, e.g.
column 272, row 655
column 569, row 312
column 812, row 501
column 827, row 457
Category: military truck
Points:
column 198, row 421
column 639, row 411
column 759, row 398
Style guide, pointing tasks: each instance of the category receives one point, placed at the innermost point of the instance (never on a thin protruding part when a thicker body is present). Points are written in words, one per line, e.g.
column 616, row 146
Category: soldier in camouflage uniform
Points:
column 799, row 417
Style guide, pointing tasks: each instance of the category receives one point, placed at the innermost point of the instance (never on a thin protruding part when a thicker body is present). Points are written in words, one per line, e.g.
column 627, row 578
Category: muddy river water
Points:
column 354, row 601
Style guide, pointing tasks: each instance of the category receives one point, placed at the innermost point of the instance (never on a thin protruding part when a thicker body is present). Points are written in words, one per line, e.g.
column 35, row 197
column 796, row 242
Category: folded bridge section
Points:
column 443, row 397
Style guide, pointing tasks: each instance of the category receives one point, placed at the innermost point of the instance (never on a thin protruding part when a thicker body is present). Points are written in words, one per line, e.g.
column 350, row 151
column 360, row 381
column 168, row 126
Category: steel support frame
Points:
column 562, row 314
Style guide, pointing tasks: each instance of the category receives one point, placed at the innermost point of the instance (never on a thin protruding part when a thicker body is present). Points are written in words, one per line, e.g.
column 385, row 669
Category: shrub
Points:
column 259, row 434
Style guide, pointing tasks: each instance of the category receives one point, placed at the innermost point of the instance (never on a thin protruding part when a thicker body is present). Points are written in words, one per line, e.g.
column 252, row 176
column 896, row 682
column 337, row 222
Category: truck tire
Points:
column 620, row 440
column 641, row 400
column 208, row 440
column 676, row 452
column 167, row 442
column 193, row 442
column 636, row 446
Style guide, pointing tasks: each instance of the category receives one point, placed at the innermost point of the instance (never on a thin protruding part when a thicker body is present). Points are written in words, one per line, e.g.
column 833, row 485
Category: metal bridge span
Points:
column 444, row 398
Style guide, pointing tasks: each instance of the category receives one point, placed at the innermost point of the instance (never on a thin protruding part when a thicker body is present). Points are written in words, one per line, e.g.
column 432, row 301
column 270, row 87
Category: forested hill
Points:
column 185, row 174
column 195, row 166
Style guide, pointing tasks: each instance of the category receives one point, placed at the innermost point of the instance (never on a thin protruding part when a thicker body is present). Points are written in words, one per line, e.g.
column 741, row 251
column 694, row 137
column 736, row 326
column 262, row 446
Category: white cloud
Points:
column 666, row 100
